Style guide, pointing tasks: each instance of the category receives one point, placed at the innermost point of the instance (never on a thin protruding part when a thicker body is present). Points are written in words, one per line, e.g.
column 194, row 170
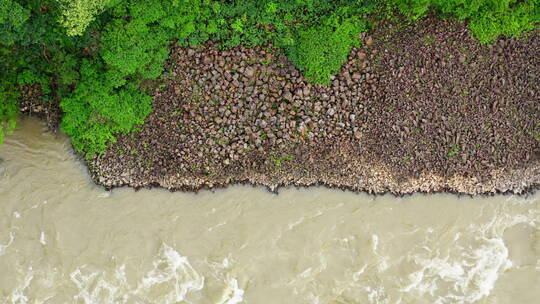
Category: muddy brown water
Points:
column 65, row 240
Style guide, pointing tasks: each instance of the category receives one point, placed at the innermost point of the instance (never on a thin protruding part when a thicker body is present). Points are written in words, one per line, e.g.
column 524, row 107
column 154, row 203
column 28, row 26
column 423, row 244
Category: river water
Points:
column 65, row 240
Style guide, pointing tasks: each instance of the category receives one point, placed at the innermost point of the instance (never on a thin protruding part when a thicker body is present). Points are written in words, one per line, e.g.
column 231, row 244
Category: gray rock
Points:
column 362, row 55
column 303, row 129
column 287, row 95
column 249, row 72
column 330, row 112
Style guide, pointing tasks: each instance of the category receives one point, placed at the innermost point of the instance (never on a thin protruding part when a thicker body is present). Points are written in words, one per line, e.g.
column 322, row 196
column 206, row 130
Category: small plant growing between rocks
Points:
column 537, row 135
column 279, row 160
column 454, row 151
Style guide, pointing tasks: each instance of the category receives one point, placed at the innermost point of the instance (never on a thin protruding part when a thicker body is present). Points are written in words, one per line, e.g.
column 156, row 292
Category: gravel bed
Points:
column 421, row 108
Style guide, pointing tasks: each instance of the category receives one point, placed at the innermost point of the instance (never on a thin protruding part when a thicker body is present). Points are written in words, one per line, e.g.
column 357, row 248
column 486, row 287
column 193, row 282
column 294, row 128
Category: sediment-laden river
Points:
column 65, row 240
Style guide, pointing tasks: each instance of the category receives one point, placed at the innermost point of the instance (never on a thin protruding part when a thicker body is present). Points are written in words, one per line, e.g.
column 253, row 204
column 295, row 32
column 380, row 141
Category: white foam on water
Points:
column 18, row 296
column 489, row 261
column 383, row 264
column 30, row 277
column 473, row 275
column 377, row 295
column 225, row 263
column 16, row 214
column 39, row 205
column 104, row 195
column 170, row 280
column 93, row 286
column 176, row 270
column 306, row 273
column 375, row 242
column 382, row 261
column 217, row 226
column 232, row 294
column 471, row 272
column 356, row 275
column 296, row 223
column 42, row 238
column 4, row 247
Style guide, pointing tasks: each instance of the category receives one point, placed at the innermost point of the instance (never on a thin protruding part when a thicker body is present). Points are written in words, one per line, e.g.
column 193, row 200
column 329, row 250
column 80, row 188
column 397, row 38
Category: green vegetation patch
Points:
column 92, row 56
column 320, row 51
column 488, row 19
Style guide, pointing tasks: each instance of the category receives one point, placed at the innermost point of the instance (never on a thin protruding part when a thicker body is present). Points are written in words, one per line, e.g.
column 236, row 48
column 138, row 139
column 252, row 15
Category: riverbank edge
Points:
column 527, row 188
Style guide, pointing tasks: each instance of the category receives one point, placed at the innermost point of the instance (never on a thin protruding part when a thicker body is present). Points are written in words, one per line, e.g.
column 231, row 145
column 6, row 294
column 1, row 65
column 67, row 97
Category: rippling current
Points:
column 65, row 240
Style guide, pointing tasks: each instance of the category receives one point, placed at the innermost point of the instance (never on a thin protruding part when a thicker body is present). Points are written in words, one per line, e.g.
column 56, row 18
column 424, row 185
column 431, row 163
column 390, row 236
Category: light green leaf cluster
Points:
column 77, row 14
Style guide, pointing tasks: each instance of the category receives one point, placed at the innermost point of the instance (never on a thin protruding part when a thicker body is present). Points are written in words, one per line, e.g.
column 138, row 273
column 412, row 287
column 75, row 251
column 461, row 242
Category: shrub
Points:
column 507, row 18
column 320, row 51
column 133, row 48
column 488, row 19
column 8, row 109
column 12, row 19
column 97, row 110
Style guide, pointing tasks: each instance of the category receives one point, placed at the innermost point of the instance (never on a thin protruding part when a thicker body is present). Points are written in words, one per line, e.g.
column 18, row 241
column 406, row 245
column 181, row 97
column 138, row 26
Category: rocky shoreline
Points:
column 421, row 108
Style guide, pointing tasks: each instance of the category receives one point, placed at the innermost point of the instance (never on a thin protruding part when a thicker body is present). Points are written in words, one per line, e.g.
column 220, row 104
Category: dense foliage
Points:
column 488, row 19
column 91, row 57
column 321, row 50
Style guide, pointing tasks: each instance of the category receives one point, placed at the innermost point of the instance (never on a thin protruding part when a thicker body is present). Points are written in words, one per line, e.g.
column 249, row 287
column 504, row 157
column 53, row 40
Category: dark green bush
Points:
column 12, row 19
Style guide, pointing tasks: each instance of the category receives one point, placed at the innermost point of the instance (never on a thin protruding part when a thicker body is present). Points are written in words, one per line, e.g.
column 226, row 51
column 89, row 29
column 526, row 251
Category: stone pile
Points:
column 413, row 109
